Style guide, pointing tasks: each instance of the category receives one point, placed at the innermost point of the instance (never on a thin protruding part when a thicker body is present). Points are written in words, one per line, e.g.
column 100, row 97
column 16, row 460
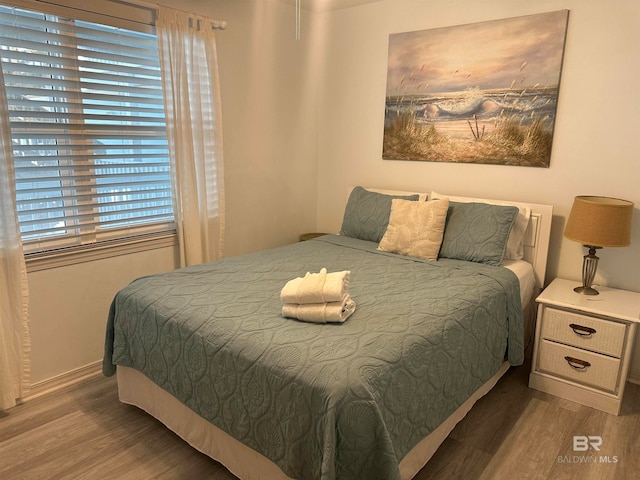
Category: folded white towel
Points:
column 331, row 312
column 320, row 287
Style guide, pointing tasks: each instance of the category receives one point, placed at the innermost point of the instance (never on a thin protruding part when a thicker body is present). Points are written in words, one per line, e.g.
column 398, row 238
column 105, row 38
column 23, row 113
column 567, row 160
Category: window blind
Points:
column 88, row 130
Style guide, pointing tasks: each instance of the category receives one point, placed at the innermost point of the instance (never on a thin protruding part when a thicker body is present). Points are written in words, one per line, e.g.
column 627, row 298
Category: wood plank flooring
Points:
column 84, row 432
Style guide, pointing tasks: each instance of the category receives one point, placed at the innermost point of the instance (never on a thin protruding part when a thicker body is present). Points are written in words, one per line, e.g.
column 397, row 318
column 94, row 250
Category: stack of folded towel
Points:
column 318, row 297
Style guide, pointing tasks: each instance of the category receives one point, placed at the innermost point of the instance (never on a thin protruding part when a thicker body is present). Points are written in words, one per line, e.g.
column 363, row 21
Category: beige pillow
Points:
column 415, row 228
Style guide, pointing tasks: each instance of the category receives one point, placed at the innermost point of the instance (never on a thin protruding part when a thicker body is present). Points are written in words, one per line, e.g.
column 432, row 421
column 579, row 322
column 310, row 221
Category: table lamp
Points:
column 598, row 222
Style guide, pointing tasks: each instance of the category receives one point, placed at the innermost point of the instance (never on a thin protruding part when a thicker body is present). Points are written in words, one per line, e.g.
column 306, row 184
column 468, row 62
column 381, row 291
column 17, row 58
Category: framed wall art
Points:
column 477, row 93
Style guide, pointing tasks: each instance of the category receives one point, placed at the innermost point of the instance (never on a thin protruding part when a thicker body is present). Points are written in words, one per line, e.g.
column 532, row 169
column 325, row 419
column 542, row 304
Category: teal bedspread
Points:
column 335, row 401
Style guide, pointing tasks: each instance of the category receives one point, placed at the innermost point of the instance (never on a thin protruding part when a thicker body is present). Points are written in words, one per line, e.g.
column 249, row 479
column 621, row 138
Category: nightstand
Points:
column 308, row 236
column 583, row 344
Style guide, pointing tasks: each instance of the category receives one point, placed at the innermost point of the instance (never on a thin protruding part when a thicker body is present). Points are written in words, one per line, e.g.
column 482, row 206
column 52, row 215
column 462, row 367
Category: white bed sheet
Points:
column 526, row 276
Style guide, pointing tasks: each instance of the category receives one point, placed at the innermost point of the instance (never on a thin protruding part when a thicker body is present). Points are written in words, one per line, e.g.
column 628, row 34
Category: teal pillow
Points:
column 366, row 215
column 477, row 232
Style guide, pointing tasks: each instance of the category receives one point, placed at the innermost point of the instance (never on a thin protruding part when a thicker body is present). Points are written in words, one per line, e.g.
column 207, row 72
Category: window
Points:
column 88, row 130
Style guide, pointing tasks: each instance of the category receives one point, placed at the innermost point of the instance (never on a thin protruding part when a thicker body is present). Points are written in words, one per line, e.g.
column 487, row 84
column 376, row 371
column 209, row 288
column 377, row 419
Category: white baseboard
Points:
column 634, row 376
column 64, row 380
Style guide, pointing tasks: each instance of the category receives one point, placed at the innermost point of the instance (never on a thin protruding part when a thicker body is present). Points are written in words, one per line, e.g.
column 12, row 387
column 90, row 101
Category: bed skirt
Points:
column 136, row 389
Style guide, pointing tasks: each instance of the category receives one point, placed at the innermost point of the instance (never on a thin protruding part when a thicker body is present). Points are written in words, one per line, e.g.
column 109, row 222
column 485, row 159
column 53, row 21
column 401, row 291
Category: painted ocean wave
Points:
column 524, row 105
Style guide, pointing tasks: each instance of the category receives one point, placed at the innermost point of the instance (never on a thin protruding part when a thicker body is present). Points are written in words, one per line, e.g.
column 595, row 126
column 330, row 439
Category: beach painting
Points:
column 477, row 93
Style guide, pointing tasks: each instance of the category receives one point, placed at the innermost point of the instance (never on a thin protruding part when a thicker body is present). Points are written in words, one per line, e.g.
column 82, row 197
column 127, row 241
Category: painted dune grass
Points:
column 507, row 138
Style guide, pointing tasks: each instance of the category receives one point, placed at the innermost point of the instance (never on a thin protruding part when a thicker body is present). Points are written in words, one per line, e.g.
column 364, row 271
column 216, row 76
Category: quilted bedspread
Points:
column 322, row 401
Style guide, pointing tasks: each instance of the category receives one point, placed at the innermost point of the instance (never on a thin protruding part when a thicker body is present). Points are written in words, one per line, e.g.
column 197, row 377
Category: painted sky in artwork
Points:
column 520, row 52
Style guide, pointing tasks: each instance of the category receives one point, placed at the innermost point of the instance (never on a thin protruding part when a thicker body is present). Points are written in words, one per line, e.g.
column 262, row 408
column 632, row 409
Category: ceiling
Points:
column 327, row 5
column 322, row 5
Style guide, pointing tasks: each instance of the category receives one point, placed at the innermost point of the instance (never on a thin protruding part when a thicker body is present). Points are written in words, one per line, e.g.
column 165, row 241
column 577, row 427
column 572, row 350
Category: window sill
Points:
column 98, row 251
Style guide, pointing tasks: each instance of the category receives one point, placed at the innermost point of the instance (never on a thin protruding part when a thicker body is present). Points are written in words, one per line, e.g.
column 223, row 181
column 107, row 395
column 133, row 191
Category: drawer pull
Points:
column 577, row 363
column 581, row 330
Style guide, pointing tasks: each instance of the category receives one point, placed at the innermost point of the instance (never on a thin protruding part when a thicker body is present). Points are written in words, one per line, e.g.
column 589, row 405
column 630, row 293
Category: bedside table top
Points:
column 308, row 236
column 620, row 304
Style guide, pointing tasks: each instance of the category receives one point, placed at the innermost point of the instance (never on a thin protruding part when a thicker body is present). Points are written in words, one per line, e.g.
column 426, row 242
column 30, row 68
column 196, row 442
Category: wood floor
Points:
column 83, row 432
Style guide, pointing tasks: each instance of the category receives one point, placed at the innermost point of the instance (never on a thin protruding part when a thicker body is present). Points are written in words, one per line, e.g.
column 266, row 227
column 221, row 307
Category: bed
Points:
column 206, row 350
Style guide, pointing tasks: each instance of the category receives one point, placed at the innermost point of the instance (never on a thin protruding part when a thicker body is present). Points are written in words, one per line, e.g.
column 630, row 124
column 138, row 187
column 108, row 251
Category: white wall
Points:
column 69, row 307
column 595, row 145
column 269, row 95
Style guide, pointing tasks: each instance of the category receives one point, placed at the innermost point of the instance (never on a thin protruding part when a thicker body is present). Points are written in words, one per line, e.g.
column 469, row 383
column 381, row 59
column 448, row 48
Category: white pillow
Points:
column 415, row 228
column 515, row 250
column 422, row 196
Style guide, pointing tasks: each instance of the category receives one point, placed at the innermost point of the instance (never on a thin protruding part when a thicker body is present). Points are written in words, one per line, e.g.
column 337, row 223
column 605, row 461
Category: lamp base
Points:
column 589, row 267
column 586, row 291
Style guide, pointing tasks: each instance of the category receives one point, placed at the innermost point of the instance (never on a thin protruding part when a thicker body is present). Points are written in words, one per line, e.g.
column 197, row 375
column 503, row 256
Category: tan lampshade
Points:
column 600, row 221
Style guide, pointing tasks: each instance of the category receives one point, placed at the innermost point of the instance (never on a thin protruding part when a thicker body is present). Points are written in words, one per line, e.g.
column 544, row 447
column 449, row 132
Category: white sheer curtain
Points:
column 15, row 343
column 188, row 57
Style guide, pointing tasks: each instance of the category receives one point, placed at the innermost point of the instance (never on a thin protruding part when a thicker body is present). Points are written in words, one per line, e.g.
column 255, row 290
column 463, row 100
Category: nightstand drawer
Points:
column 588, row 368
column 583, row 331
